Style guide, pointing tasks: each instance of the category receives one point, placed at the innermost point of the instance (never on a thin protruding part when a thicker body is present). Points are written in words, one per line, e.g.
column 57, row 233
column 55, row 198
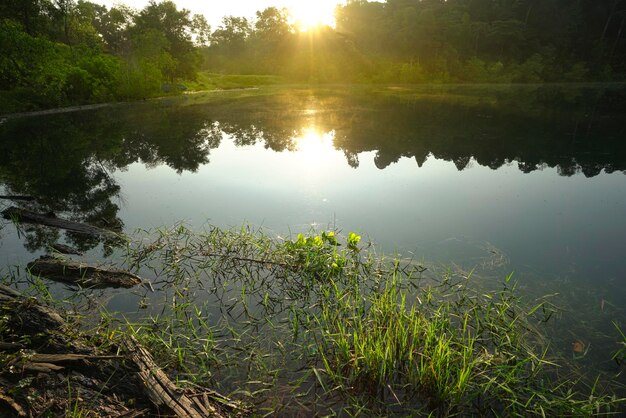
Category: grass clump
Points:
column 446, row 350
column 370, row 344
column 374, row 334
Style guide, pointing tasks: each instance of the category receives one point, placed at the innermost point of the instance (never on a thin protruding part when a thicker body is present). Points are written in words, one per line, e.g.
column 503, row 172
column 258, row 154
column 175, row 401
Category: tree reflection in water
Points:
column 67, row 161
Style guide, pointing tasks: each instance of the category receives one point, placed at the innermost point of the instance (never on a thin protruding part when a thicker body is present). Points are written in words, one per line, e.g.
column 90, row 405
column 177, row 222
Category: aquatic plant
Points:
column 620, row 354
column 321, row 324
column 319, row 310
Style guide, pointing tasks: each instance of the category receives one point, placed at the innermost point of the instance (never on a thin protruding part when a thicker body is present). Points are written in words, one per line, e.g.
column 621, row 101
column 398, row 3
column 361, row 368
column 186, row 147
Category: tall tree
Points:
column 113, row 26
column 272, row 24
column 201, row 30
column 175, row 26
column 232, row 34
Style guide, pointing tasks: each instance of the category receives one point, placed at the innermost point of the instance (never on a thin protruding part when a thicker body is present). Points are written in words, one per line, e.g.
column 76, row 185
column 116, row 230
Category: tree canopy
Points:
column 59, row 52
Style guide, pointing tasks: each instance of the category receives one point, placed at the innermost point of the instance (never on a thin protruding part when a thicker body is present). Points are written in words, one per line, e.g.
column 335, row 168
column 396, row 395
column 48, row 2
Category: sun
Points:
column 309, row 15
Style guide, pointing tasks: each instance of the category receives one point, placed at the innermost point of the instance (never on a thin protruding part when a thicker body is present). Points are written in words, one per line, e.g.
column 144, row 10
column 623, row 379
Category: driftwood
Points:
column 160, row 388
column 82, row 274
column 38, row 362
column 125, row 384
column 49, row 219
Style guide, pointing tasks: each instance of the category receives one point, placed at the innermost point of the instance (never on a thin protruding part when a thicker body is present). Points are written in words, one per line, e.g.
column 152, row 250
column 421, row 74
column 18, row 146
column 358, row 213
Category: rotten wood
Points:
column 47, row 363
column 41, row 367
column 32, row 316
column 60, row 358
column 8, row 292
column 49, row 219
column 160, row 388
column 101, row 382
column 82, row 274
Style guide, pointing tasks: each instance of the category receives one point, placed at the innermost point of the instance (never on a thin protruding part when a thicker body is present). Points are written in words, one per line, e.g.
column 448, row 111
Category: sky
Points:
column 308, row 12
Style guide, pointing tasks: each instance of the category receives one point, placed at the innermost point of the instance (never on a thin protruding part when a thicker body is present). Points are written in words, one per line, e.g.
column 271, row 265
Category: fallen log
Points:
column 50, row 219
column 81, row 274
column 160, row 388
column 44, row 362
column 34, row 317
column 66, row 357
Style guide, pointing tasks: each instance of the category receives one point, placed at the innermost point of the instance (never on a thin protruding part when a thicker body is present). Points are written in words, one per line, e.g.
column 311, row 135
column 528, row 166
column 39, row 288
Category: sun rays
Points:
column 310, row 15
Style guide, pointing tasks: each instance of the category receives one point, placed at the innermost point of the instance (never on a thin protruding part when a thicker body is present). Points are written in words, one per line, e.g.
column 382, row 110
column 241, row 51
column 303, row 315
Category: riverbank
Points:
column 53, row 370
column 209, row 84
column 322, row 324
column 11, row 105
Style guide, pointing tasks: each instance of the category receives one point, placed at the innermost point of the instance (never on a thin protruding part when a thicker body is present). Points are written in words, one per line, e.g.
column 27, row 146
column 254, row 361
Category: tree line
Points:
column 57, row 52
column 419, row 41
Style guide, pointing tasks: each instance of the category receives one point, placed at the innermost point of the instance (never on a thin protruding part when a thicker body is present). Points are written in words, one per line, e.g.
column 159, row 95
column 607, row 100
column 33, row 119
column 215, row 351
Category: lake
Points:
column 490, row 179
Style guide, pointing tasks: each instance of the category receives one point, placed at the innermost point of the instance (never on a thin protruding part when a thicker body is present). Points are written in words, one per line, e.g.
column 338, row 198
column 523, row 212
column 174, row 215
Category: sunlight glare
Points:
column 314, row 146
column 314, row 14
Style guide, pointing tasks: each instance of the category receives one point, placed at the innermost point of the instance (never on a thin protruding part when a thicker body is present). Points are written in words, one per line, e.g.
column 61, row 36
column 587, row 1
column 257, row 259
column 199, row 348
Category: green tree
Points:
column 232, row 34
column 272, row 25
column 201, row 30
column 113, row 26
column 174, row 28
column 64, row 10
column 31, row 14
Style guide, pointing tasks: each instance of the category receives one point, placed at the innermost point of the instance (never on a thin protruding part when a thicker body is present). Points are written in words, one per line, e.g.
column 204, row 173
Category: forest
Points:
column 63, row 52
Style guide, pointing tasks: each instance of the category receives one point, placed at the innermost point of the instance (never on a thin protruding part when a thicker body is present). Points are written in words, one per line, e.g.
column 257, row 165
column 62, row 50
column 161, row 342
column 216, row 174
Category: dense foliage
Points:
column 434, row 40
column 57, row 52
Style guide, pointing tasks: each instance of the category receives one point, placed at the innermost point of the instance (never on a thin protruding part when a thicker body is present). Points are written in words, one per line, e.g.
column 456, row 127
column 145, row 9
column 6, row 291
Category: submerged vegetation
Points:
column 321, row 324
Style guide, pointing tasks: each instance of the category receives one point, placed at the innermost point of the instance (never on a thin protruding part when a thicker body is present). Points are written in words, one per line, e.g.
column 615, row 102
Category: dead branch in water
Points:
column 82, row 274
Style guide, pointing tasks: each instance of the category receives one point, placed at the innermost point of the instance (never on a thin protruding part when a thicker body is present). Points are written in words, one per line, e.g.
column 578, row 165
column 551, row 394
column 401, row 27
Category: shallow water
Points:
column 496, row 179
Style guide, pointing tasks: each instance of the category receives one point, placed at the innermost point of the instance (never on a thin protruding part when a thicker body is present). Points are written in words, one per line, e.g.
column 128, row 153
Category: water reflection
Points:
column 68, row 161
column 314, row 145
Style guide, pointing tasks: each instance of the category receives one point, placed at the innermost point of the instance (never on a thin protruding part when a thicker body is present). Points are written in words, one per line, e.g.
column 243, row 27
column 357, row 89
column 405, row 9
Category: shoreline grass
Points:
column 322, row 325
column 213, row 86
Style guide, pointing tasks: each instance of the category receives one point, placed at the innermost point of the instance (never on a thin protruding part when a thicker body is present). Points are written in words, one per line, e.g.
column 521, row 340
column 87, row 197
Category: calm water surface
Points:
column 500, row 179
